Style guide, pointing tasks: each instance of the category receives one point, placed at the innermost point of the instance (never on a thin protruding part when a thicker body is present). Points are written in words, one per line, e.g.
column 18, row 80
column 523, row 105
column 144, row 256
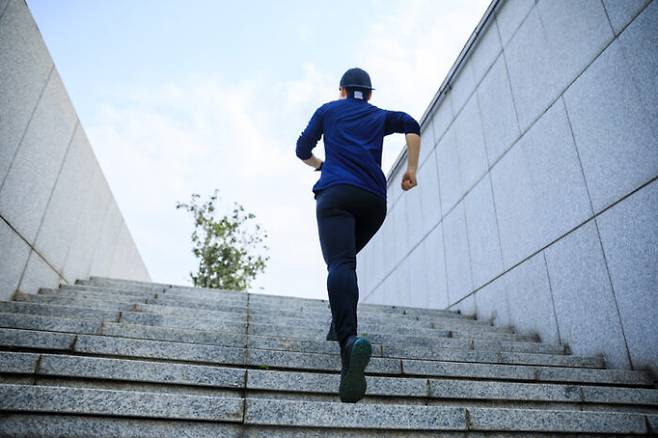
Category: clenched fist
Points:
column 409, row 180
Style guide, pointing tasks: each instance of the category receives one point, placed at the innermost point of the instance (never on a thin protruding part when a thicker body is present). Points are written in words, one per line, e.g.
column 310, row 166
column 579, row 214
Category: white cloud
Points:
column 162, row 144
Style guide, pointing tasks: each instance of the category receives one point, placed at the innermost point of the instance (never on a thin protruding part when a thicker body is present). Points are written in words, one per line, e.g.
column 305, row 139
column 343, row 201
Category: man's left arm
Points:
column 309, row 139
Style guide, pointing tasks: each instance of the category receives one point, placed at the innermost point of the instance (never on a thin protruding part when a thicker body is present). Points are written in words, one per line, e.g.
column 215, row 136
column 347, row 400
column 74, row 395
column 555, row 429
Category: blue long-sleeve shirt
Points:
column 354, row 132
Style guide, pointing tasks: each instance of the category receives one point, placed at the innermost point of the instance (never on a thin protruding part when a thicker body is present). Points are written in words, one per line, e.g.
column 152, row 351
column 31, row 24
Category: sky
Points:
column 182, row 97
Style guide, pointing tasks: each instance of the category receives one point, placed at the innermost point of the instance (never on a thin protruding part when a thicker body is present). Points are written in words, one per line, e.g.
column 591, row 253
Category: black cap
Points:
column 356, row 78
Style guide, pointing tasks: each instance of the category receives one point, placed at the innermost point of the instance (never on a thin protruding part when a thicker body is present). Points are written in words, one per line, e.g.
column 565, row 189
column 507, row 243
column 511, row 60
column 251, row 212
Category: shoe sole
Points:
column 353, row 385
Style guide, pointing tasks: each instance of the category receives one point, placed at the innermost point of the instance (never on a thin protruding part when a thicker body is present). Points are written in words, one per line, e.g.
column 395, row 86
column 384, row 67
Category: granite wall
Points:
column 537, row 203
column 58, row 218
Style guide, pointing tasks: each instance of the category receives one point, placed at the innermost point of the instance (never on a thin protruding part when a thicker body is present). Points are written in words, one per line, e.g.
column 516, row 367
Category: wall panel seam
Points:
column 4, row 9
column 629, row 22
column 598, row 234
column 438, row 187
column 614, row 293
column 580, row 162
column 52, row 189
column 655, row 178
column 27, row 126
column 493, row 201
column 484, row 136
column 486, row 149
column 550, row 291
column 516, row 29
column 27, row 242
column 468, row 247
column 511, row 92
column 607, row 16
column 32, row 250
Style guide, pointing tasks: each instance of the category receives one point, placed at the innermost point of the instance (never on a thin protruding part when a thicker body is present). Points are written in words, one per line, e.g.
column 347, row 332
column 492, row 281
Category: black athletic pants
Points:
column 348, row 217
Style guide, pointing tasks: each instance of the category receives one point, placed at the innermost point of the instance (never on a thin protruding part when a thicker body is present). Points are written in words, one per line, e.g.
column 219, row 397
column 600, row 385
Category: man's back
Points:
column 353, row 132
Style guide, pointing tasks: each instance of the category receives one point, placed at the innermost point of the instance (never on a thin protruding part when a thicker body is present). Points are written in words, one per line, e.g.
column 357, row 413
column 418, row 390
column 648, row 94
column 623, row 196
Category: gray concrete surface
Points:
column 554, row 232
column 53, row 195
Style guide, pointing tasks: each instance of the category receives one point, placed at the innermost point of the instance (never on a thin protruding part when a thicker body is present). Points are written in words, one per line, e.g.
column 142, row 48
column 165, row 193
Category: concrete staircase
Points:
column 117, row 358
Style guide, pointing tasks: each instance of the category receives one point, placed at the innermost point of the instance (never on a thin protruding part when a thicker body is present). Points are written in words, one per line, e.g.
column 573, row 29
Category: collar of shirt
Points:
column 355, row 99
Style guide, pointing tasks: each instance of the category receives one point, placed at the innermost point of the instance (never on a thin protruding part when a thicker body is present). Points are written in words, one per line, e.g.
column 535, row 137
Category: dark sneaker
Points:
column 356, row 356
column 331, row 334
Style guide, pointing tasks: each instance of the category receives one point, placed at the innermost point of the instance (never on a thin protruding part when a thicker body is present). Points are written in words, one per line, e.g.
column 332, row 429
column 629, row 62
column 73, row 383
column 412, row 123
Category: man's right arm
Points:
column 409, row 180
column 398, row 121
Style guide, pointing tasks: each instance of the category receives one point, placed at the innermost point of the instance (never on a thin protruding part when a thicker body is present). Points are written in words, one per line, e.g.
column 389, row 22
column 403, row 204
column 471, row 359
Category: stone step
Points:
column 18, row 363
column 412, row 367
column 506, row 357
column 79, row 426
column 104, row 291
column 171, row 291
column 163, row 309
column 212, row 337
column 447, row 352
column 447, row 389
column 34, row 339
column 72, row 301
column 188, row 322
column 296, row 413
column 300, row 384
column 221, row 355
column 34, row 398
column 50, row 323
column 40, row 425
column 47, row 309
column 371, row 416
column 417, row 368
column 123, row 284
column 122, row 347
column 122, row 369
column 396, row 396
column 331, row 415
column 216, row 298
column 87, row 295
